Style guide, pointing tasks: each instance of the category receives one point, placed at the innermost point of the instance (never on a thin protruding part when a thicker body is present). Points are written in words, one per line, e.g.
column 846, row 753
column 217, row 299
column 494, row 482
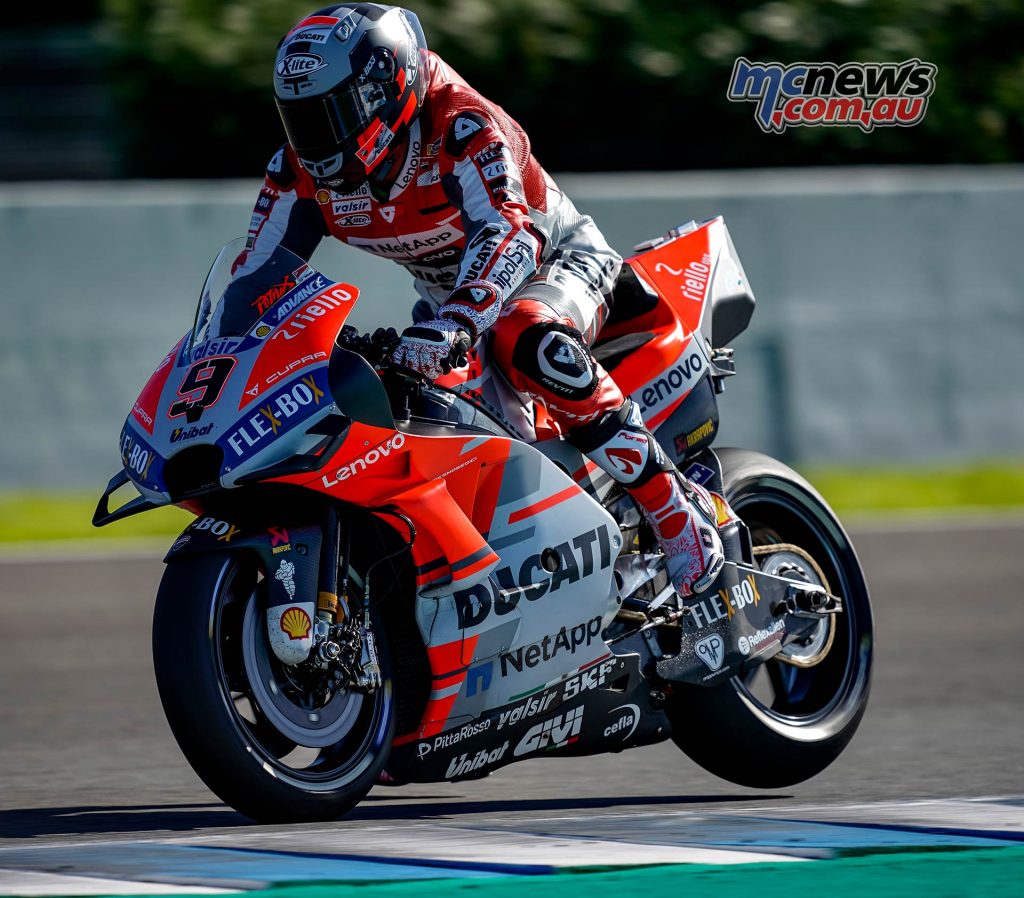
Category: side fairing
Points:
column 513, row 559
column 540, row 612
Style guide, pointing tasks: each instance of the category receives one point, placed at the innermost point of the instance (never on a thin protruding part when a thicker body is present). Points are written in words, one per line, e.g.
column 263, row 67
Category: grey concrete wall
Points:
column 890, row 319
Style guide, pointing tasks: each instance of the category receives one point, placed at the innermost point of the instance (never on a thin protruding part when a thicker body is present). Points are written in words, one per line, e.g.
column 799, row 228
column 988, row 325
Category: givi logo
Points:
column 554, row 733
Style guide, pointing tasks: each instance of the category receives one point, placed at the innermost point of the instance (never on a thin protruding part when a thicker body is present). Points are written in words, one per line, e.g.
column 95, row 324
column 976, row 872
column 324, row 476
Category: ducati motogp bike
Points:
column 424, row 581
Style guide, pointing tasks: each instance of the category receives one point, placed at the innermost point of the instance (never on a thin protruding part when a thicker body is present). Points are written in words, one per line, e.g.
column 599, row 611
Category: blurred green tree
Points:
column 598, row 84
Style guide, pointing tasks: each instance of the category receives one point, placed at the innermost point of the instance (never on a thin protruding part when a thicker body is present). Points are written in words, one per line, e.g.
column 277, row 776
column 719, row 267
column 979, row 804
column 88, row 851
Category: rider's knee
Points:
column 533, row 343
column 544, row 356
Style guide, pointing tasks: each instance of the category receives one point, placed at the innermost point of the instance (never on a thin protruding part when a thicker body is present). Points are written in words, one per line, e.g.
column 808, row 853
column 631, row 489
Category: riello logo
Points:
column 365, row 461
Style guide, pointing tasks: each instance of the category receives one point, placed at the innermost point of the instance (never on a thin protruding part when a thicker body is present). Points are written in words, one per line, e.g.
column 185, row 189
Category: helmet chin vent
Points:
column 325, row 167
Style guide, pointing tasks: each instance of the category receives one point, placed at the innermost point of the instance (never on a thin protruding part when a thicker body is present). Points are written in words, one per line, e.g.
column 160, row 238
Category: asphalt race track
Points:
column 93, row 788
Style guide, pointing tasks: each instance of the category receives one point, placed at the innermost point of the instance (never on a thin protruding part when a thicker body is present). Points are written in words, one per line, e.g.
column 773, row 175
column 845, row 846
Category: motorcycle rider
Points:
column 392, row 151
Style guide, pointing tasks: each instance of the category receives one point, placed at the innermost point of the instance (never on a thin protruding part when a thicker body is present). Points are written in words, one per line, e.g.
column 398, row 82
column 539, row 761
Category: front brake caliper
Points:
column 368, row 677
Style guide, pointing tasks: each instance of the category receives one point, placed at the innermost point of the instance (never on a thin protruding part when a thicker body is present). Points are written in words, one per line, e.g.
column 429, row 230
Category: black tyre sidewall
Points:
column 198, row 711
column 718, row 728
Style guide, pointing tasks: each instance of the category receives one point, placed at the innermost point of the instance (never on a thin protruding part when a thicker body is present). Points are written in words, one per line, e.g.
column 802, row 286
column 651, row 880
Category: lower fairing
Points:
column 607, row 706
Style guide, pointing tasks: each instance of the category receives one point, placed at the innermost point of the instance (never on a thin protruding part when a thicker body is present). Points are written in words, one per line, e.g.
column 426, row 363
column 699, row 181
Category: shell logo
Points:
column 296, row 623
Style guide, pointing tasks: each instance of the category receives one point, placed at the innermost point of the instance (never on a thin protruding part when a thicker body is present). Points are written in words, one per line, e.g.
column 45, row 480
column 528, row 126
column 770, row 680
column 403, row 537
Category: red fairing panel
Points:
column 146, row 405
column 447, row 486
column 305, row 338
column 461, row 493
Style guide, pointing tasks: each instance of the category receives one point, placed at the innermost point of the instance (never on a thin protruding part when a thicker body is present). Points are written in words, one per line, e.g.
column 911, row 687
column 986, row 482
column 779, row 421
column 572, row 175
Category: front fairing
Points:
column 242, row 390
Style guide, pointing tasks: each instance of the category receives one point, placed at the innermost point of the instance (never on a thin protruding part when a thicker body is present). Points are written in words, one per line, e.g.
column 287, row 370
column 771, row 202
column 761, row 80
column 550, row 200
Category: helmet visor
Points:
column 319, row 127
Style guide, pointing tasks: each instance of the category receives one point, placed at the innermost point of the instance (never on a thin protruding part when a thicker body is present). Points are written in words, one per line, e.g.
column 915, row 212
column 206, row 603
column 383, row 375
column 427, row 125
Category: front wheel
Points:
column 789, row 718
column 275, row 742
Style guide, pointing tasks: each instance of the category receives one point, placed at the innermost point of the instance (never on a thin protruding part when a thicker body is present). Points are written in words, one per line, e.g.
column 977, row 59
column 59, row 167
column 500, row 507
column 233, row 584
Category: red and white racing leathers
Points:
column 469, row 206
column 493, row 244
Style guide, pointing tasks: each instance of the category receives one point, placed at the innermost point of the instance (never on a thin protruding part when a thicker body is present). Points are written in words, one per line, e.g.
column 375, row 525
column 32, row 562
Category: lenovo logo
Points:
column 363, row 462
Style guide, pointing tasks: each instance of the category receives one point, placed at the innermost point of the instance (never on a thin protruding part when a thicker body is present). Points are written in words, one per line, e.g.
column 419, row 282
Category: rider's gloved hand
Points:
column 432, row 348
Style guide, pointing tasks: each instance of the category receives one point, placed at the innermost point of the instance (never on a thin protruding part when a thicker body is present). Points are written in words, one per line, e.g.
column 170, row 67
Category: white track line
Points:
column 29, row 884
column 473, row 842
column 460, row 845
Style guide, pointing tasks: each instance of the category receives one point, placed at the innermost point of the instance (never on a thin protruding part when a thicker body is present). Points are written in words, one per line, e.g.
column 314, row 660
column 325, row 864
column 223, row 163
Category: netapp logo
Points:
column 568, row 639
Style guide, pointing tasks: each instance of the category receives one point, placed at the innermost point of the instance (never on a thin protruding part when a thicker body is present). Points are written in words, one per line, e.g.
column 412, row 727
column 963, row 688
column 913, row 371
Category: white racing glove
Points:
column 432, row 348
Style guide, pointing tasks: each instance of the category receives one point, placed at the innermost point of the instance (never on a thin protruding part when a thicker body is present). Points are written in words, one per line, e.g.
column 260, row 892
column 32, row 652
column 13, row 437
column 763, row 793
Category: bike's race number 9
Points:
column 201, row 387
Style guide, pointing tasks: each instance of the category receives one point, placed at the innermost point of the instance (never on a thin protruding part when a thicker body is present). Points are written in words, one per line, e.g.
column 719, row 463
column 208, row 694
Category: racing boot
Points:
column 682, row 515
column 684, row 520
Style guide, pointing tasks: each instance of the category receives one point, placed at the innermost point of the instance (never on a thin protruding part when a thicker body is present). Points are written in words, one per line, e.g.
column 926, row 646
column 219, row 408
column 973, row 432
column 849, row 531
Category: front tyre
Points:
column 788, row 719
column 274, row 742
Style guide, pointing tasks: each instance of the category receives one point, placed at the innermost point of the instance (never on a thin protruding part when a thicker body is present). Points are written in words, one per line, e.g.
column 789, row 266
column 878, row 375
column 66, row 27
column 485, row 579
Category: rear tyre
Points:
column 785, row 722
column 266, row 738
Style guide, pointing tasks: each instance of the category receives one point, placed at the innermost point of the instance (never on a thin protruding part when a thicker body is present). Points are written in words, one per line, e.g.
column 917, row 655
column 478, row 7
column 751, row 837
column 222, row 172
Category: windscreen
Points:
column 240, row 288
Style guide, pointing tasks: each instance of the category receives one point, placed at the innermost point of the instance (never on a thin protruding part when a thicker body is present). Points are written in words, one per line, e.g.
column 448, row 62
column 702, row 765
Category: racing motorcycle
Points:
column 388, row 578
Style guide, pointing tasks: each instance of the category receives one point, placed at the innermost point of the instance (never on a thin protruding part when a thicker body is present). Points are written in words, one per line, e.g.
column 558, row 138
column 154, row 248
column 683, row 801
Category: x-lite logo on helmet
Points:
column 348, row 84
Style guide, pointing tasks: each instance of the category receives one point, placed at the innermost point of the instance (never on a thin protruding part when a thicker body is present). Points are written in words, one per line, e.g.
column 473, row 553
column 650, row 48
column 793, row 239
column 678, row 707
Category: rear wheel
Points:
column 275, row 742
column 788, row 719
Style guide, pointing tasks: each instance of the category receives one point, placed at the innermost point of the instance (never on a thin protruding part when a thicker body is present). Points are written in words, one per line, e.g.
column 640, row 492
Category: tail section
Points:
column 681, row 296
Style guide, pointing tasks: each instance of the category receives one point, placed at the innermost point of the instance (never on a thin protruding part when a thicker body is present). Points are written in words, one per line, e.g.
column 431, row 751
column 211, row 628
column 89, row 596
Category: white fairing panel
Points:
column 540, row 614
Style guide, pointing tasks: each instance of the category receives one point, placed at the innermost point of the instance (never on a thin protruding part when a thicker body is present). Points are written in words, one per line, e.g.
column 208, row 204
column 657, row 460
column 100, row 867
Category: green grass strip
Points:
column 991, row 871
column 992, row 485
column 34, row 516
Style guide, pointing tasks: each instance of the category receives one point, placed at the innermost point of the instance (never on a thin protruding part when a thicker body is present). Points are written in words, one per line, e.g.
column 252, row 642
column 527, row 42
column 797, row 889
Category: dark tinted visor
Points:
column 320, row 126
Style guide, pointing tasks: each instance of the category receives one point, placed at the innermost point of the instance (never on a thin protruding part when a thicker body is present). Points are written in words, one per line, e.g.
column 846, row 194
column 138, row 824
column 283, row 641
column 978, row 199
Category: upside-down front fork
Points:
column 341, row 641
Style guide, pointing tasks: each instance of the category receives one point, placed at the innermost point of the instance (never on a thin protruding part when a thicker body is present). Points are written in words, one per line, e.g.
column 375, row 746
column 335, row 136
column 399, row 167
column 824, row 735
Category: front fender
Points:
column 289, row 558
